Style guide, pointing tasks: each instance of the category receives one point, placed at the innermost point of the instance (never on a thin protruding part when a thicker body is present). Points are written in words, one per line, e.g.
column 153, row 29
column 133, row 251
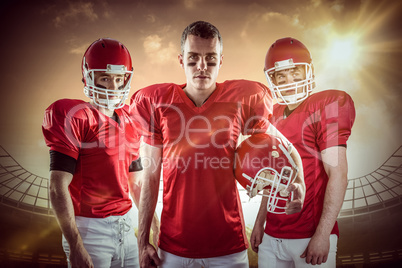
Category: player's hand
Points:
column 296, row 204
column 79, row 257
column 256, row 237
column 317, row 250
column 149, row 257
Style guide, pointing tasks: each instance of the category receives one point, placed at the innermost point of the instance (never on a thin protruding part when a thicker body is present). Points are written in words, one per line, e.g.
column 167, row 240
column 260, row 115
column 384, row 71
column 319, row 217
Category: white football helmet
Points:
column 111, row 57
column 287, row 53
column 264, row 166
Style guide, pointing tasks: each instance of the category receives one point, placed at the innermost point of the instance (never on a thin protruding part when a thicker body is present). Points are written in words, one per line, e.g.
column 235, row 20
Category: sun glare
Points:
column 344, row 51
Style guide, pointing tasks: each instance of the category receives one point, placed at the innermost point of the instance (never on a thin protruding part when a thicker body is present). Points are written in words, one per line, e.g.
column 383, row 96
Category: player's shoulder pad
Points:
column 125, row 109
column 153, row 91
column 330, row 96
column 68, row 107
column 247, row 87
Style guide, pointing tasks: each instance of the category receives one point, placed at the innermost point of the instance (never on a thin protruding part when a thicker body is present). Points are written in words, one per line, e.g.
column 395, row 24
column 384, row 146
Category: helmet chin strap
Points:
column 109, row 104
column 293, row 98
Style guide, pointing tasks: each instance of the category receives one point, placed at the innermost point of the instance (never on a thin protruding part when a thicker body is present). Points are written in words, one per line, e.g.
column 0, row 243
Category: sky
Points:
column 355, row 45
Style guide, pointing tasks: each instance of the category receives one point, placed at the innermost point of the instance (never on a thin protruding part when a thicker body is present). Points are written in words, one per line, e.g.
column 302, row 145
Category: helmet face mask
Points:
column 109, row 57
column 103, row 97
column 264, row 167
column 286, row 54
column 269, row 183
column 301, row 89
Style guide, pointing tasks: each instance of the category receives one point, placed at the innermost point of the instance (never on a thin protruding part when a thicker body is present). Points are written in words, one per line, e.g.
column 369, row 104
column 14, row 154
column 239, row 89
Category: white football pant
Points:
column 110, row 241
column 285, row 253
column 236, row 260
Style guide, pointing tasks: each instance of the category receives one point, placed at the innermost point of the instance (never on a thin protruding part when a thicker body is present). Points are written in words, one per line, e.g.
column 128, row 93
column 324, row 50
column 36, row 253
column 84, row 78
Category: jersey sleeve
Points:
column 143, row 113
column 260, row 111
column 61, row 132
column 62, row 162
column 336, row 120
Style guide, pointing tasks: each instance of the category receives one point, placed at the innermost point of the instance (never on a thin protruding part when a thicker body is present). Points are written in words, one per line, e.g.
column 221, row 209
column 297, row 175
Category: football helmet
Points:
column 263, row 166
column 287, row 53
column 111, row 57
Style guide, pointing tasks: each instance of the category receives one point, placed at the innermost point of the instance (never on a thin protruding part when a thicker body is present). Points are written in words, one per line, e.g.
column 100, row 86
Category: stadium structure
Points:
column 369, row 221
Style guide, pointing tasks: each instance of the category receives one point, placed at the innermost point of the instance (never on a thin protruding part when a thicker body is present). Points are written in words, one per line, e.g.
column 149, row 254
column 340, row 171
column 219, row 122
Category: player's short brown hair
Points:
column 201, row 29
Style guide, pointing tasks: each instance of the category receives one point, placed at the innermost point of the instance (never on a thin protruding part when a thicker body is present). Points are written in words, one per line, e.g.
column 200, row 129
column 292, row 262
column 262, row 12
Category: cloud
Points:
column 155, row 50
column 190, row 4
column 338, row 6
column 260, row 20
column 75, row 11
column 152, row 43
column 315, row 3
column 80, row 50
column 150, row 18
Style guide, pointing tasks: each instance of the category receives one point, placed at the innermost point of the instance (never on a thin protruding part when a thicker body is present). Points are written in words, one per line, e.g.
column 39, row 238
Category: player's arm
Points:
column 150, row 177
column 64, row 211
column 135, row 190
column 335, row 164
column 258, row 229
column 298, row 186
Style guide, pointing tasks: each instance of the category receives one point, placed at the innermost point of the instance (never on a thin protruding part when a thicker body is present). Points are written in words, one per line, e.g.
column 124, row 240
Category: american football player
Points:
column 318, row 125
column 192, row 130
column 93, row 157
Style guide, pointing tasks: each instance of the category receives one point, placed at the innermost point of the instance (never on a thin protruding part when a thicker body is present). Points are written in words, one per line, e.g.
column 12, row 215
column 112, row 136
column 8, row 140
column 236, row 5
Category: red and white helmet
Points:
column 112, row 57
column 287, row 53
column 264, row 166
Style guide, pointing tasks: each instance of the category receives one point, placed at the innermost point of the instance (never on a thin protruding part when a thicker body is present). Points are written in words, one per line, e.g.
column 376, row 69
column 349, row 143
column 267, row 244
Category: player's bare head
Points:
column 201, row 29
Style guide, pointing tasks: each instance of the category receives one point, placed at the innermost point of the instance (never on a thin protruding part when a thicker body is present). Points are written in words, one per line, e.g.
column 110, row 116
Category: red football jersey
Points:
column 202, row 213
column 104, row 150
column 323, row 120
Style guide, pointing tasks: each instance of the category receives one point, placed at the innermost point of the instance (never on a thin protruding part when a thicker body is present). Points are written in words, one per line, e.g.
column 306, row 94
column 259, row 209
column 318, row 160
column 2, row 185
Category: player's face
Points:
column 201, row 61
column 289, row 76
column 108, row 81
